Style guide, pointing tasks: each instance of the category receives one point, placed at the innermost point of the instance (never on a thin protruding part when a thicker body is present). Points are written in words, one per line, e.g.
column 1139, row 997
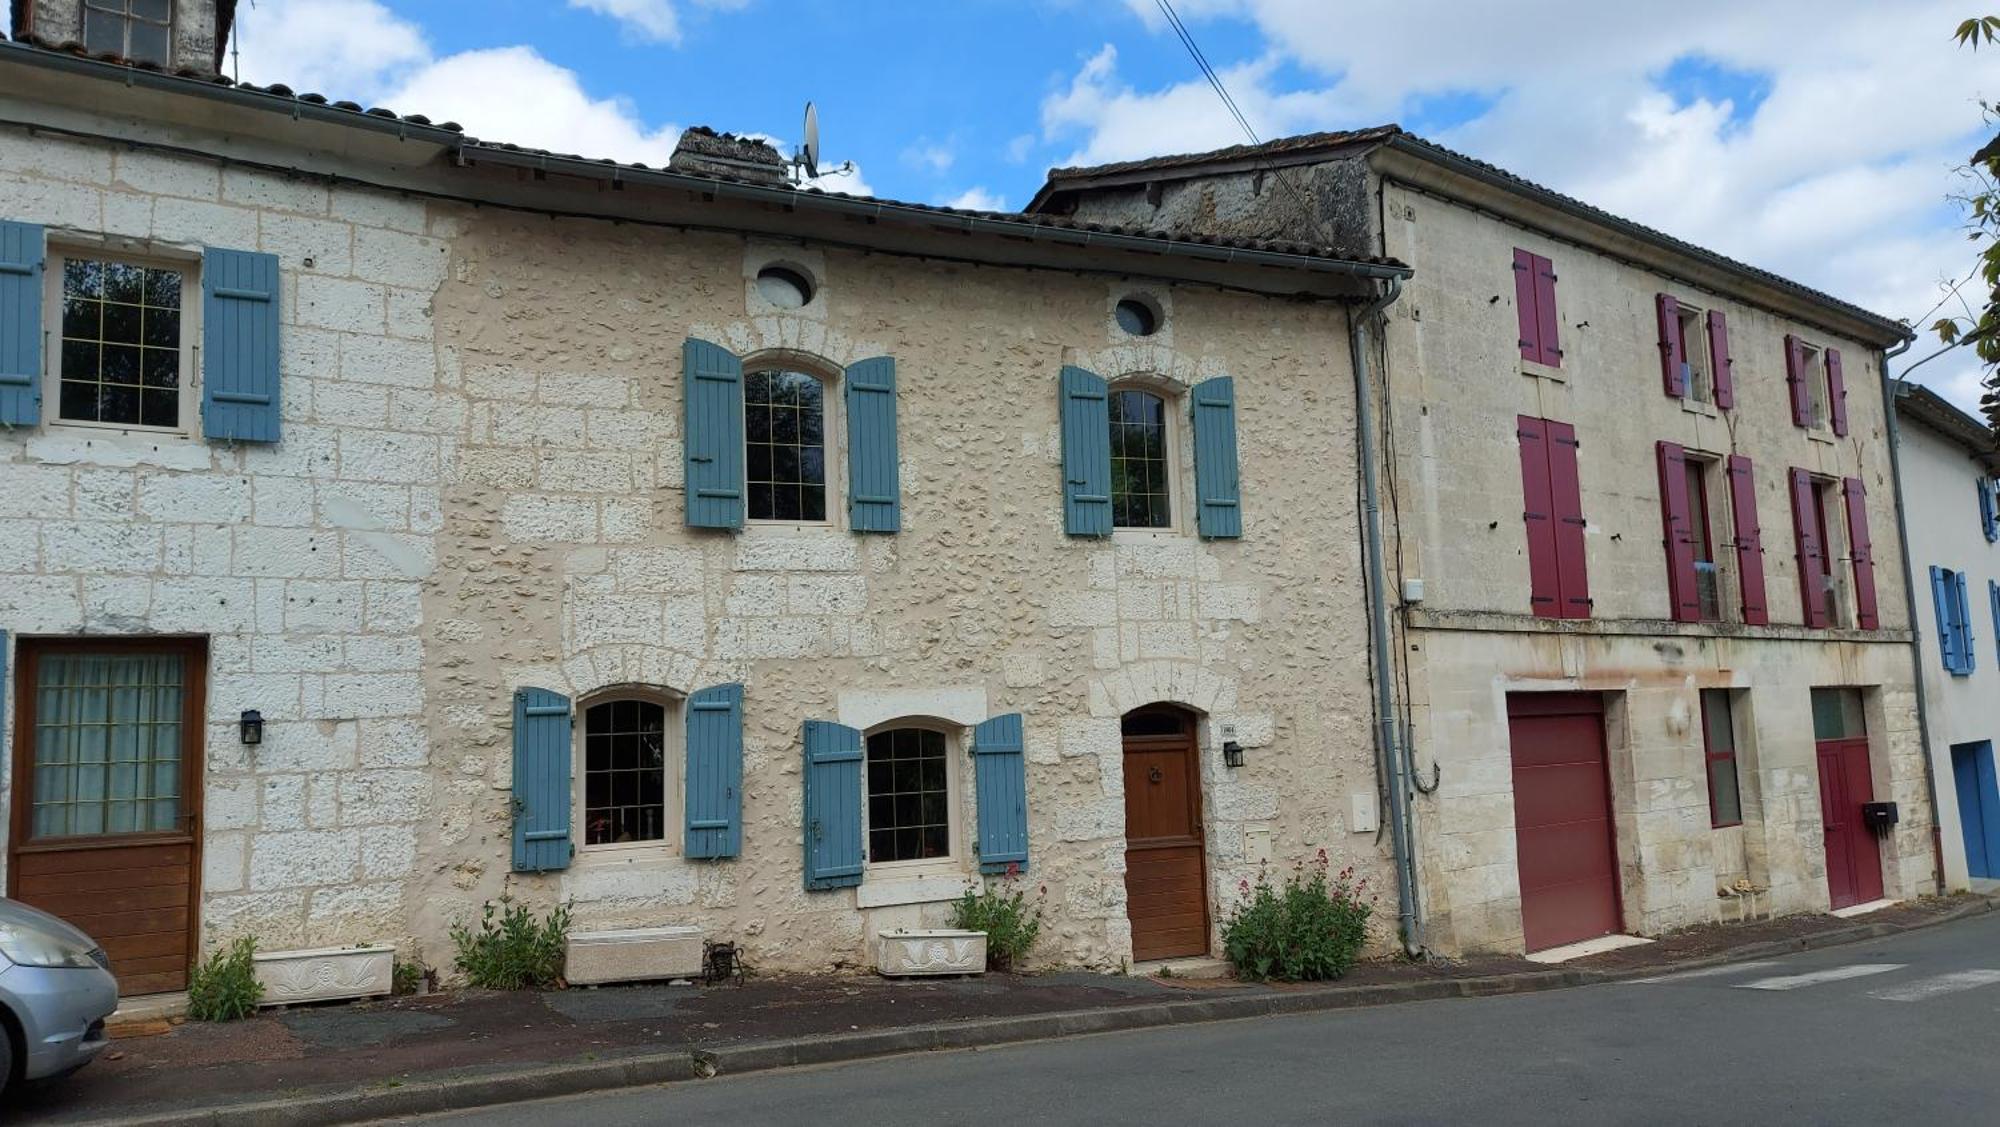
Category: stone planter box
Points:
column 325, row 973
column 901, row 954
column 638, row 954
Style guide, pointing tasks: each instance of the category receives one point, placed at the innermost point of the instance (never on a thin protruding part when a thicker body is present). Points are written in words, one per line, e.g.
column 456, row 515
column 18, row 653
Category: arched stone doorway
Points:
column 1166, row 864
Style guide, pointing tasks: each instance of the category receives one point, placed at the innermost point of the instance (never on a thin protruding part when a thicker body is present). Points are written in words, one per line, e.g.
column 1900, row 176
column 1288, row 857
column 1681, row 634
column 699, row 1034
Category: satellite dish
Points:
column 809, row 156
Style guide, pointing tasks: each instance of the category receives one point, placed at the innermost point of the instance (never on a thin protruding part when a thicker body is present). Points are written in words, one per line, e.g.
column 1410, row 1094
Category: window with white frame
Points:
column 1141, row 458
column 627, row 763
column 785, row 437
column 1700, row 382
column 123, row 329
column 910, row 812
column 135, row 30
column 1812, row 370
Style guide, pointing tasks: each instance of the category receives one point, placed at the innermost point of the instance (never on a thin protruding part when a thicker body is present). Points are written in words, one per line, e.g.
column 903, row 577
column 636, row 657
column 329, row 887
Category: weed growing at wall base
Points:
column 1311, row 928
column 512, row 949
column 1001, row 911
column 225, row 987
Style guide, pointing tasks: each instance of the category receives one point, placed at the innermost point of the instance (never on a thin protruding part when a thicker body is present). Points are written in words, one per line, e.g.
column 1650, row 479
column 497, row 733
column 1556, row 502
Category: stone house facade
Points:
column 1613, row 455
column 391, row 522
column 1951, row 493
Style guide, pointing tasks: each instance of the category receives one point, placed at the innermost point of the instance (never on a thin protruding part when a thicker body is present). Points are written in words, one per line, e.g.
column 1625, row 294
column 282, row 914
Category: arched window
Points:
column 627, row 780
column 784, row 429
column 1141, row 473
column 909, row 803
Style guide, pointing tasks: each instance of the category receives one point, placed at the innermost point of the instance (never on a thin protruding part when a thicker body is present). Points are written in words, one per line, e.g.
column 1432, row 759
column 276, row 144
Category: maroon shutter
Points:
column 1749, row 539
column 1718, row 360
column 1566, row 493
column 1795, row 377
column 1673, row 350
column 1545, row 588
column 1805, row 533
column 1836, row 392
column 1545, row 311
column 1865, row 613
column 1683, row 598
column 1524, row 305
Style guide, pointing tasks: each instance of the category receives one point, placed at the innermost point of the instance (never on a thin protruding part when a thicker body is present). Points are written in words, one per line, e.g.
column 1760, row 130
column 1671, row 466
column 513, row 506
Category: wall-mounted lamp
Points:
column 253, row 726
column 1232, row 754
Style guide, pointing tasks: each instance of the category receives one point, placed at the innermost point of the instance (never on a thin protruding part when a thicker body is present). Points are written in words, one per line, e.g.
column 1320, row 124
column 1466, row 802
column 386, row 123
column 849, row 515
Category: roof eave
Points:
column 1925, row 406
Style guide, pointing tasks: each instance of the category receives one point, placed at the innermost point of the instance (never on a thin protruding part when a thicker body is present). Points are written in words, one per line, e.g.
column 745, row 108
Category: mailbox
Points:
column 1878, row 816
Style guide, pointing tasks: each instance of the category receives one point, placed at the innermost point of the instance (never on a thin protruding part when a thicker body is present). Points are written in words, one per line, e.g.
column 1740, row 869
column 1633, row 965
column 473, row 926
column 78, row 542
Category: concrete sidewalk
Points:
column 407, row 1056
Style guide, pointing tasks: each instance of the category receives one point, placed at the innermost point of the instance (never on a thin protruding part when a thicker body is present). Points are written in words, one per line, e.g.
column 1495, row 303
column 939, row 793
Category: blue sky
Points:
column 1811, row 137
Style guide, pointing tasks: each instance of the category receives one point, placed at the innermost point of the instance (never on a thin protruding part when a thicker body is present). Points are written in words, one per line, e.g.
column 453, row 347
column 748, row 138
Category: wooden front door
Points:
column 1562, row 818
column 1166, row 871
column 107, row 761
column 1853, row 857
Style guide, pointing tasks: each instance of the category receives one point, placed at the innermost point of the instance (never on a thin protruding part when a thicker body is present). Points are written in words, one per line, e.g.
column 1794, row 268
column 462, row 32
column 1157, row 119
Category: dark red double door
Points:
column 1562, row 818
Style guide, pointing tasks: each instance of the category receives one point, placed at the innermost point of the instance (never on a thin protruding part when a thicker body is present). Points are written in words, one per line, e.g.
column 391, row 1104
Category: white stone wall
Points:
column 479, row 489
column 1944, row 531
column 302, row 561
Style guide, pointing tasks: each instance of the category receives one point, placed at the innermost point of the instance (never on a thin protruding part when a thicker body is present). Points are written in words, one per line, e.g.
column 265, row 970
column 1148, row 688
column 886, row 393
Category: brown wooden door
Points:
column 1853, row 856
column 1562, row 818
column 1166, row 875
column 107, row 797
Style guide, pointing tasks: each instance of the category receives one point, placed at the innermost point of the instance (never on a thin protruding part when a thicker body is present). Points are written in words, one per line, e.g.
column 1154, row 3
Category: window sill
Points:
column 1696, row 407
column 628, row 853
column 1535, row 370
column 1817, row 435
column 884, row 888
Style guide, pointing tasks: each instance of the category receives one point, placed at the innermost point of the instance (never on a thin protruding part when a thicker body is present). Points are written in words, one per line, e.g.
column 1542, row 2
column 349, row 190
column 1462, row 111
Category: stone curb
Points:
column 423, row 1097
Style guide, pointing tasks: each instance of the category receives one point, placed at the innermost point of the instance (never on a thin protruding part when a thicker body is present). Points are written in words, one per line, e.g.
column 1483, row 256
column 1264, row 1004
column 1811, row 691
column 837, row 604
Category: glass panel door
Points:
column 107, row 744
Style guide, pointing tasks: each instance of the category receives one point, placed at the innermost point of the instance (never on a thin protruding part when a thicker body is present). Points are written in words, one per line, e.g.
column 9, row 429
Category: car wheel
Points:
column 9, row 1058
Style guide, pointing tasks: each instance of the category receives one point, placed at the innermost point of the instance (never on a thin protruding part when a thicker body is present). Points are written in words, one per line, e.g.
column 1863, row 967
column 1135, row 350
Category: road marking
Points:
column 1710, row 972
column 1814, row 978
column 1925, row 988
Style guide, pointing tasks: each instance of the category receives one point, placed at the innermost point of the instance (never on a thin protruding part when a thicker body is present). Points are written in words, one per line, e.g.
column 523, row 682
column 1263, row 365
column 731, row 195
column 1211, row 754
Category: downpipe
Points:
column 1389, row 757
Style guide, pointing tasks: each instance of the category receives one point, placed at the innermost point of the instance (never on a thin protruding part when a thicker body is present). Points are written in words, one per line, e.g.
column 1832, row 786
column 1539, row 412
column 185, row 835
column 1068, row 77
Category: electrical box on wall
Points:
column 1361, row 814
column 1257, row 845
column 1413, row 590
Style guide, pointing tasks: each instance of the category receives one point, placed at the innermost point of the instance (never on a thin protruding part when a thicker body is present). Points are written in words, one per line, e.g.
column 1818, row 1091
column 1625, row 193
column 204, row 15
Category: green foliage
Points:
column 1002, row 911
column 406, row 977
column 1980, row 327
column 1976, row 31
column 512, row 949
column 1310, row 929
column 225, row 987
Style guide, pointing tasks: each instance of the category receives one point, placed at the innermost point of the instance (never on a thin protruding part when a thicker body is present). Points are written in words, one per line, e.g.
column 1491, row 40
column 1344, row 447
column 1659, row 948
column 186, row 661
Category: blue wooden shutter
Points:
column 832, row 805
column 541, row 781
column 712, row 437
column 1968, row 654
column 714, row 798
column 1947, row 633
column 1989, row 518
column 1992, row 594
column 1001, row 780
column 239, row 360
column 874, row 491
column 1086, row 438
column 20, row 324
column 1219, row 515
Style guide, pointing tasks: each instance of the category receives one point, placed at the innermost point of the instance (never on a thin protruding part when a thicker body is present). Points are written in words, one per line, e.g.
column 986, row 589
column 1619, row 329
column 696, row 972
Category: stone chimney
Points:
column 703, row 151
column 178, row 36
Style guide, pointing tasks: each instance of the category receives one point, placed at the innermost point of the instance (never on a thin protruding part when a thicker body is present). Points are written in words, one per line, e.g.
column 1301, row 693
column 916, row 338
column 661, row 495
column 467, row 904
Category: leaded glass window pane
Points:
column 107, row 744
column 1139, row 491
column 121, row 336
column 1837, row 714
column 909, row 800
column 135, row 30
column 784, row 420
column 624, row 772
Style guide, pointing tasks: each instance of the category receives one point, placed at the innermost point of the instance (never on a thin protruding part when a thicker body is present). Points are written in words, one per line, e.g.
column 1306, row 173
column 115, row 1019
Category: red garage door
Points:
column 1562, row 818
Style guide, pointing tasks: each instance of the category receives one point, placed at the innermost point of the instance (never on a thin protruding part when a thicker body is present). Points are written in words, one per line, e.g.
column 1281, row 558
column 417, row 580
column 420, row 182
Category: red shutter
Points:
column 1749, row 539
column 1718, row 360
column 1566, row 492
column 1805, row 533
column 1865, row 613
column 1545, row 588
column 1545, row 311
column 1795, row 377
column 1524, row 305
column 1836, row 392
column 1673, row 350
column 1683, row 598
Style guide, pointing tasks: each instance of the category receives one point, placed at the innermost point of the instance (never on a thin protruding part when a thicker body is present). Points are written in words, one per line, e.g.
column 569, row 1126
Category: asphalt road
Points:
column 1901, row 1030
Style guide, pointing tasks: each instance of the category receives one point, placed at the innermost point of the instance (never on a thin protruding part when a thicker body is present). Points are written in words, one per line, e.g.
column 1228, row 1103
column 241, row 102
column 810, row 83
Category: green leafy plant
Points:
column 1003, row 912
column 405, row 978
column 225, row 986
column 1311, row 928
column 512, row 949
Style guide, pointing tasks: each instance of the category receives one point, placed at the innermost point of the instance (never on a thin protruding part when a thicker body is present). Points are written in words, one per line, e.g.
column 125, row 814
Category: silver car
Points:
column 56, row 990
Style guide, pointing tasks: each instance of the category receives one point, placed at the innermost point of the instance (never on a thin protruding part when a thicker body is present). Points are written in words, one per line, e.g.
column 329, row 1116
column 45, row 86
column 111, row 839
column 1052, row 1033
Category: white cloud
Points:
column 360, row 50
column 653, row 21
column 1019, row 148
column 933, row 156
column 978, row 199
column 1835, row 179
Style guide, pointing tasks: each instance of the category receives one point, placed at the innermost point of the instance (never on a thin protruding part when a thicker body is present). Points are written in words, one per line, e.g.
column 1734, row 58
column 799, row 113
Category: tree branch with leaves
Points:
column 1980, row 328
